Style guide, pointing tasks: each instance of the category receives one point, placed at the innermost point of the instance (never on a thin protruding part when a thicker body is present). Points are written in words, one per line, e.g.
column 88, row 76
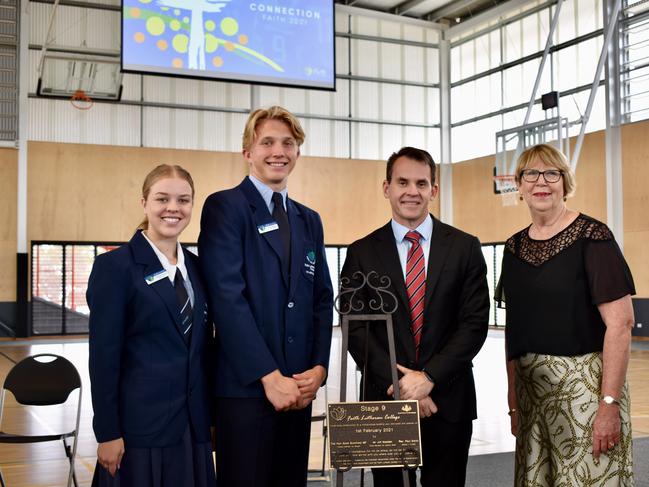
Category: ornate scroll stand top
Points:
column 380, row 298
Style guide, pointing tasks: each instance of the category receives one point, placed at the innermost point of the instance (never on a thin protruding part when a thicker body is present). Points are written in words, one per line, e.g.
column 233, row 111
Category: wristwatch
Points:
column 430, row 379
column 609, row 400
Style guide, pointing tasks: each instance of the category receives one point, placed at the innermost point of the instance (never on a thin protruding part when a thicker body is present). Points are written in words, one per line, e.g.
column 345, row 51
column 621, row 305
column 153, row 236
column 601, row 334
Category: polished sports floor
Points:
column 44, row 464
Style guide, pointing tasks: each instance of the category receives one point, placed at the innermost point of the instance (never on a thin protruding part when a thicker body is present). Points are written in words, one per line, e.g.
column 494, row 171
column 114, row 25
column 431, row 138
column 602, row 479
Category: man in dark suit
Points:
column 263, row 259
column 438, row 274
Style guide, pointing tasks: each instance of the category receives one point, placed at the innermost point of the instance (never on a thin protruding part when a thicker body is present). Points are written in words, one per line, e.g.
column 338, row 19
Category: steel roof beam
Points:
column 405, row 7
column 448, row 10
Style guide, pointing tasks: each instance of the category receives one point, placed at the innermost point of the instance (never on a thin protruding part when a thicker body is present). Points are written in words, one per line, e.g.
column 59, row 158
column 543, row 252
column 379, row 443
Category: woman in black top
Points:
column 568, row 293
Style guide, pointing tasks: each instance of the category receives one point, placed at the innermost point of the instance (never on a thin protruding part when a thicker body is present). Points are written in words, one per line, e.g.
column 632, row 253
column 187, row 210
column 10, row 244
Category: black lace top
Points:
column 552, row 288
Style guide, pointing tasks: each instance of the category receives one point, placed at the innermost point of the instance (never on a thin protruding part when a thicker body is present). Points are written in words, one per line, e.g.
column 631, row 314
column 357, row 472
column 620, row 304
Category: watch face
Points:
column 609, row 400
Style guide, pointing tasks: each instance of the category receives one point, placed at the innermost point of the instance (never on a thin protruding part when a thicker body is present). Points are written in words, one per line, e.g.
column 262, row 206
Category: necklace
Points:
column 543, row 231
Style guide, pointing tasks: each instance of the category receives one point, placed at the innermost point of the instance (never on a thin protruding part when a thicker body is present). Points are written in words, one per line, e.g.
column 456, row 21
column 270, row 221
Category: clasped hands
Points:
column 295, row 392
column 414, row 385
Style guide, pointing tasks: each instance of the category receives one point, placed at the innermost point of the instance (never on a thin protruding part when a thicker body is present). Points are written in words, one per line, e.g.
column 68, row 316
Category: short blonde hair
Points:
column 161, row 172
column 550, row 156
column 271, row 113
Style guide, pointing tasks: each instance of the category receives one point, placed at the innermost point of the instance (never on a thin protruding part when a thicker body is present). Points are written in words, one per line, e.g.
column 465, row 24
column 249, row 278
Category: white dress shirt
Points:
column 267, row 193
column 171, row 269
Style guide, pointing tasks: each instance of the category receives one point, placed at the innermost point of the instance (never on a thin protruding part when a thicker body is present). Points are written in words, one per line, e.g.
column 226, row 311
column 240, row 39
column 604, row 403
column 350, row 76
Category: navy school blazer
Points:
column 264, row 318
column 147, row 384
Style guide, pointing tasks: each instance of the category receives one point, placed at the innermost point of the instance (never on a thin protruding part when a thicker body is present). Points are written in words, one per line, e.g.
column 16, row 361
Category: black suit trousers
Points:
column 257, row 446
column 445, row 451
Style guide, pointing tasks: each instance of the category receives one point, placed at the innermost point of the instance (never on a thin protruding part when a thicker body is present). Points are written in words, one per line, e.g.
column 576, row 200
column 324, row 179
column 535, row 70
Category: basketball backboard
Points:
column 65, row 73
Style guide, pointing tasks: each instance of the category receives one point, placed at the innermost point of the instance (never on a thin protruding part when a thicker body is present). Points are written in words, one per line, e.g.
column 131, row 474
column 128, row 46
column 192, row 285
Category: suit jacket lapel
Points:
column 144, row 255
column 298, row 231
column 439, row 247
column 199, row 313
column 262, row 216
column 388, row 262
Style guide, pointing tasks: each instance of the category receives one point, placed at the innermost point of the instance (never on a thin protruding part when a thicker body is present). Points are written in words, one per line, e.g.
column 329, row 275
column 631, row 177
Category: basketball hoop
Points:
column 81, row 101
column 505, row 186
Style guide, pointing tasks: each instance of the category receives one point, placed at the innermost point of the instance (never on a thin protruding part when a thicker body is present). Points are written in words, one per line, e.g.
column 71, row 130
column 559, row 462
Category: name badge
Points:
column 267, row 227
column 151, row 278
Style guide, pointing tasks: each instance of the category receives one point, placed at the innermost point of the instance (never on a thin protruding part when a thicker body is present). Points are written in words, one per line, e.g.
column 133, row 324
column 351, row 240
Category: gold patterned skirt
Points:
column 558, row 398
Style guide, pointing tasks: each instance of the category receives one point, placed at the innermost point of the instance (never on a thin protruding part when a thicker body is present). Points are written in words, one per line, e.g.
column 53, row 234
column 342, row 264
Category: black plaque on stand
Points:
column 374, row 434
column 368, row 299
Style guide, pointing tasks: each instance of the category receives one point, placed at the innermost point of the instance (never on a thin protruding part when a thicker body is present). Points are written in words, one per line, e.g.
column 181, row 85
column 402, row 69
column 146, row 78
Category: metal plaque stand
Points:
column 379, row 305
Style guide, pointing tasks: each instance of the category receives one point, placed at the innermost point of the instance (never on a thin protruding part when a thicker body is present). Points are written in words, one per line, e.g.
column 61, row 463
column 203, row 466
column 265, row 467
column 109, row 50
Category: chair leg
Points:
column 2, row 480
column 324, row 447
column 72, row 475
column 75, row 443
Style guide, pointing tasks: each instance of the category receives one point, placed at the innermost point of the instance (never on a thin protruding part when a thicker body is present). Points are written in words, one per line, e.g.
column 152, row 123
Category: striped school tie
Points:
column 185, row 306
column 416, row 286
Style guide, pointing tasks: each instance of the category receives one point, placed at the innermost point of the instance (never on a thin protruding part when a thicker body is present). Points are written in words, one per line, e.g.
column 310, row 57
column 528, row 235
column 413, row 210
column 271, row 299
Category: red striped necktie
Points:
column 416, row 286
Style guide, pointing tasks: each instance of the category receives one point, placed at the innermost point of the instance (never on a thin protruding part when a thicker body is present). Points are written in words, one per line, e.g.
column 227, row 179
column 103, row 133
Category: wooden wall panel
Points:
column 92, row 192
column 590, row 196
column 636, row 252
column 635, row 157
column 476, row 209
column 8, row 217
column 347, row 193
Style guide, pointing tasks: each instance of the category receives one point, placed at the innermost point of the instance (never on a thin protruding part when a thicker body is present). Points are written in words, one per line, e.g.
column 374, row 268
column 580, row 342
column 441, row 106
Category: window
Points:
column 484, row 101
column 50, row 317
column 60, row 273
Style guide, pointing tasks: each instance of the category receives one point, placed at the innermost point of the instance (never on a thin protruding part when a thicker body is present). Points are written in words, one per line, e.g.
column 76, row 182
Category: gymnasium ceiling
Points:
column 443, row 11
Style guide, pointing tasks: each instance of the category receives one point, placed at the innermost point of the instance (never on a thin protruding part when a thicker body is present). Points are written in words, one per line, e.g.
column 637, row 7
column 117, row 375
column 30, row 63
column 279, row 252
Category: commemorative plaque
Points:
column 374, row 434
column 370, row 433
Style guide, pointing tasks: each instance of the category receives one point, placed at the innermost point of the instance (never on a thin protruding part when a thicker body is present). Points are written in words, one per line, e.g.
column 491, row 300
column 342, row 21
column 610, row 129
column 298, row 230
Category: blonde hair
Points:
column 161, row 172
column 550, row 156
column 271, row 113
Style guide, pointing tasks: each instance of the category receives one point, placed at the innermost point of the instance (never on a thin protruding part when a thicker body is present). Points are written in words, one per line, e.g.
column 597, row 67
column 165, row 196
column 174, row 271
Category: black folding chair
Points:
column 39, row 383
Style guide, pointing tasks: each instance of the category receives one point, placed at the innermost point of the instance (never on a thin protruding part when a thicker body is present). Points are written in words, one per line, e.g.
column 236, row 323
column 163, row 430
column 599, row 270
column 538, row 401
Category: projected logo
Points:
column 187, row 34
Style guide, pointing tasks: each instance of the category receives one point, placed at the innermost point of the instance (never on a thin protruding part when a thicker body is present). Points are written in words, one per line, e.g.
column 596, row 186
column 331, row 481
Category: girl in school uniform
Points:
column 148, row 335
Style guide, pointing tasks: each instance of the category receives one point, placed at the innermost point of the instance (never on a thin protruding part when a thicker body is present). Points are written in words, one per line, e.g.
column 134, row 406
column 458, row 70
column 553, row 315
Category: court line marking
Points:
column 8, row 358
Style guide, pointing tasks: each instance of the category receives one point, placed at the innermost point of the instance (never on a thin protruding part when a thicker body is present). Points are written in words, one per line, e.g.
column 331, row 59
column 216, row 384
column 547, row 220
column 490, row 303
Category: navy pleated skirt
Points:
column 187, row 464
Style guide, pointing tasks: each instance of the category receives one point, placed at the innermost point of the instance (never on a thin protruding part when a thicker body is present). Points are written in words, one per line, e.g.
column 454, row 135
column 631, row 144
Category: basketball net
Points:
column 81, row 101
column 506, row 188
